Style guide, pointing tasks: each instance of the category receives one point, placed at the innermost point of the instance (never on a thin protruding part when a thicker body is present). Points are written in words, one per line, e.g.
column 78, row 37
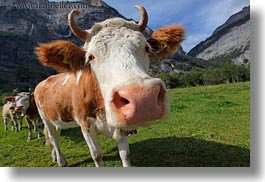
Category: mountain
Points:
column 23, row 27
column 26, row 23
column 229, row 41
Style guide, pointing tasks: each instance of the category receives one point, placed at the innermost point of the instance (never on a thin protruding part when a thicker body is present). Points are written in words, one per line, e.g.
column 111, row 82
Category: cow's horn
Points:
column 79, row 33
column 144, row 17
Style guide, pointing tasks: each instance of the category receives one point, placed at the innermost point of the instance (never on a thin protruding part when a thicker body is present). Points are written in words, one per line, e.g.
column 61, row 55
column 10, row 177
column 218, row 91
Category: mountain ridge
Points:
column 23, row 29
column 231, row 39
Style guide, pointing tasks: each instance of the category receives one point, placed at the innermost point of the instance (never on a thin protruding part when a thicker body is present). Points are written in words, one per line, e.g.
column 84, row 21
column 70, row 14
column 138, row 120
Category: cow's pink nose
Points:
column 137, row 103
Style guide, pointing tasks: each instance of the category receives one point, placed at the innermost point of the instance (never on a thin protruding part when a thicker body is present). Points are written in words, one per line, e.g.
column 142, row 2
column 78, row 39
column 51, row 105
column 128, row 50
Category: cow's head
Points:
column 10, row 103
column 119, row 55
column 20, row 102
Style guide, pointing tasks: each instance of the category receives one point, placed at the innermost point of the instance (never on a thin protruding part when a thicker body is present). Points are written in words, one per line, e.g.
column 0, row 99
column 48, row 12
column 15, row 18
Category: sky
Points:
column 200, row 17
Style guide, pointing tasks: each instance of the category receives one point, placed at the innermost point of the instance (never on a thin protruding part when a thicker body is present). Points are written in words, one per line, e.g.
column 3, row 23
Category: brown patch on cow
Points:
column 166, row 40
column 32, row 112
column 61, row 55
column 70, row 101
column 9, row 99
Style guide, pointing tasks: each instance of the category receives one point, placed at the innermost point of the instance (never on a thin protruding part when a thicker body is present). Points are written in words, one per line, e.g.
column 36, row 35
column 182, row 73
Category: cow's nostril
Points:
column 124, row 101
column 161, row 96
column 120, row 101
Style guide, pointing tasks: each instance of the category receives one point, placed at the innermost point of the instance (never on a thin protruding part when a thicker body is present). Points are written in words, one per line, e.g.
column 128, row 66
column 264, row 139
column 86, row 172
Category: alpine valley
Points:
column 22, row 29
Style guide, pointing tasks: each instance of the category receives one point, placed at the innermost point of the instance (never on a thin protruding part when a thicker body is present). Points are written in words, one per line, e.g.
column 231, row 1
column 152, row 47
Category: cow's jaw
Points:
column 131, row 97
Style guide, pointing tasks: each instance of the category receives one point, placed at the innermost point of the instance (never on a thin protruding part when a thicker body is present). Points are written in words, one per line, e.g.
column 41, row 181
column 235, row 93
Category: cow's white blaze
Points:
column 22, row 102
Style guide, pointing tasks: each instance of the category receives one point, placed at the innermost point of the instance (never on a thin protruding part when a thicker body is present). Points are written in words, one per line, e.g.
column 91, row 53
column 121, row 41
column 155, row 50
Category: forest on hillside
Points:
column 226, row 73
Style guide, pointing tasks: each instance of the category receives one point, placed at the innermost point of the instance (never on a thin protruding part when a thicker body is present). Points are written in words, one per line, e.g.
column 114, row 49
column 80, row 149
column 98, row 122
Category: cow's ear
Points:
column 9, row 99
column 165, row 40
column 61, row 55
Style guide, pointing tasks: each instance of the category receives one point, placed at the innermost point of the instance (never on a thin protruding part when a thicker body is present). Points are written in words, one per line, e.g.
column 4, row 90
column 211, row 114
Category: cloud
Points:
column 192, row 40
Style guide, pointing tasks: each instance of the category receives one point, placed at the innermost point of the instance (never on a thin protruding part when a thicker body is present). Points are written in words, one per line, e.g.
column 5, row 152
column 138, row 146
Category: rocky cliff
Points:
column 230, row 40
column 26, row 23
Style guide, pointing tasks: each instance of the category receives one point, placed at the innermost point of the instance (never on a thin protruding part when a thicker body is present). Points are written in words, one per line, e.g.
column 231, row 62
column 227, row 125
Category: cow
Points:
column 24, row 106
column 19, row 104
column 9, row 115
column 33, row 118
column 104, row 86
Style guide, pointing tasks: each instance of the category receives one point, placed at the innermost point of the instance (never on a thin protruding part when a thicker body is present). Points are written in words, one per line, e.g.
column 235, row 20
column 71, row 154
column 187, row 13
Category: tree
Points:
column 166, row 78
column 229, row 72
column 248, row 72
column 211, row 76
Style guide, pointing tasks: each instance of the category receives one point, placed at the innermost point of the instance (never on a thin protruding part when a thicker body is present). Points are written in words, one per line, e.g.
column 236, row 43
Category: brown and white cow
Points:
column 105, row 85
column 23, row 105
column 20, row 103
column 9, row 115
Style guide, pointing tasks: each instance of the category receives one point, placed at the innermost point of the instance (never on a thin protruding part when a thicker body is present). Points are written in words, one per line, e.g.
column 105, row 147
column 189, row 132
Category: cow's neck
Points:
column 89, row 92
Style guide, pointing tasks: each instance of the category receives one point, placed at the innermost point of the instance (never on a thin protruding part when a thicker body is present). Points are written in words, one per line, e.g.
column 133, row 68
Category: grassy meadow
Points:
column 208, row 126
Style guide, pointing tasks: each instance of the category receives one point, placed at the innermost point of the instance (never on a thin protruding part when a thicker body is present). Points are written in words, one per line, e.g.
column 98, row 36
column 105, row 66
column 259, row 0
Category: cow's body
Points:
column 9, row 115
column 33, row 118
column 105, row 86
column 75, row 98
column 10, row 109
column 75, row 101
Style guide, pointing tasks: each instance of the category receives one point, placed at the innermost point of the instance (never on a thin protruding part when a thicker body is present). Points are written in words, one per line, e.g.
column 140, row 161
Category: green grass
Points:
column 208, row 126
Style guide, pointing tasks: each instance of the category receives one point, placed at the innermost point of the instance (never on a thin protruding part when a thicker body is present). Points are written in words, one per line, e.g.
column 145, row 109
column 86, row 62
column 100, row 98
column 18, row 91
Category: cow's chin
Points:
column 127, row 126
column 115, row 121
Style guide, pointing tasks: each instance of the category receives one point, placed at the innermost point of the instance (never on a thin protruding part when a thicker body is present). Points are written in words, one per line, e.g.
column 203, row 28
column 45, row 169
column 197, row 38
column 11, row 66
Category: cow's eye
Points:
column 147, row 49
column 91, row 57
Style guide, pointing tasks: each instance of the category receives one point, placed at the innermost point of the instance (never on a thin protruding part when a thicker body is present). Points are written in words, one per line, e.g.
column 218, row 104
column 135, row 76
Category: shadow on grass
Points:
column 187, row 152
column 82, row 163
column 73, row 134
column 180, row 152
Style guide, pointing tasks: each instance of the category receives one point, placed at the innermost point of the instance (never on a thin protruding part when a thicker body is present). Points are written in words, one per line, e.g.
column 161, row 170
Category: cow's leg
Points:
column 30, row 127
column 35, row 126
column 92, row 142
column 124, row 151
column 54, row 139
column 20, row 123
column 39, row 126
column 5, row 122
column 15, row 124
column 12, row 124
column 54, row 154
column 47, row 140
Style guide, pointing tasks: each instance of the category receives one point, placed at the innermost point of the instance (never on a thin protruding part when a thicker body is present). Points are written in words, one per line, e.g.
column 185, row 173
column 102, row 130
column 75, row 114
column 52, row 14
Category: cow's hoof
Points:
column 63, row 163
column 40, row 135
column 29, row 138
